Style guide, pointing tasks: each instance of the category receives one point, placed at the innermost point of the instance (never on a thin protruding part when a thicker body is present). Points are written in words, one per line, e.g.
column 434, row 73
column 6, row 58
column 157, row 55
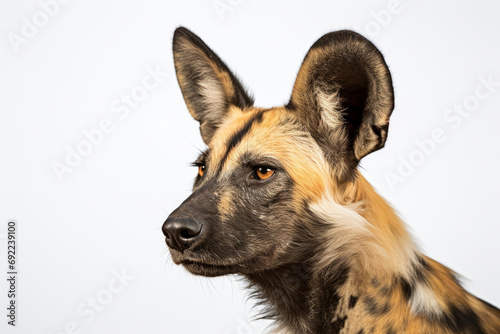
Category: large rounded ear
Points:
column 344, row 95
column 208, row 86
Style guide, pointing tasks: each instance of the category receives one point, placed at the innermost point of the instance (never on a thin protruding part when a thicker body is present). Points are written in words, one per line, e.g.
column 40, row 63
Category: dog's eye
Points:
column 263, row 173
column 201, row 170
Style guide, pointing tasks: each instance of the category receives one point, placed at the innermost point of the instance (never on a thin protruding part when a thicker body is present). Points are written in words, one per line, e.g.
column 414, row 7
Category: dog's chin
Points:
column 209, row 270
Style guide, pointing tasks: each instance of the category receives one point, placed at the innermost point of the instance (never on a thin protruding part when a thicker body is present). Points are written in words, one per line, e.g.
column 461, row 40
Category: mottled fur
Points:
column 319, row 247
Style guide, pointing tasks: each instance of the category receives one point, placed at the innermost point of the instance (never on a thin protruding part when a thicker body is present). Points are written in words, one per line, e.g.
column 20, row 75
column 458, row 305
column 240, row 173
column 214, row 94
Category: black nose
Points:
column 181, row 233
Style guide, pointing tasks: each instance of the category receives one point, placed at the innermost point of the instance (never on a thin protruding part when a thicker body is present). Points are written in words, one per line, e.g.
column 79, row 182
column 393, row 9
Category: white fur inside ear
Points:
column 331, row 108
column 423, row 300
column 213, row 96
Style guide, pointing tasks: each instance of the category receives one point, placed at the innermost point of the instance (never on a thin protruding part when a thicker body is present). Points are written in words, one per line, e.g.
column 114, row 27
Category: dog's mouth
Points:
column 204, row 264
column 209, row 269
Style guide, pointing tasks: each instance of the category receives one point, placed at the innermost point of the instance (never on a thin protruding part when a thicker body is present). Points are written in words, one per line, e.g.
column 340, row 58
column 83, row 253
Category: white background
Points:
column 106, row 214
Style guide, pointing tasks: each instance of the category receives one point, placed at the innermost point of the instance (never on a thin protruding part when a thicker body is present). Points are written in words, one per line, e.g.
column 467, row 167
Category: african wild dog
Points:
column 278, row 199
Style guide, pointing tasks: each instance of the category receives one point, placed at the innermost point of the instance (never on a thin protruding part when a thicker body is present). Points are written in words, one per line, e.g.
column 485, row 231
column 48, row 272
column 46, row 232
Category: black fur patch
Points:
column 424, row 263
column 337, row 325
column 331, row 301
column 375, row 308
column 352, row 301
column 422, row 270
column 406, row 288
column 463, row 320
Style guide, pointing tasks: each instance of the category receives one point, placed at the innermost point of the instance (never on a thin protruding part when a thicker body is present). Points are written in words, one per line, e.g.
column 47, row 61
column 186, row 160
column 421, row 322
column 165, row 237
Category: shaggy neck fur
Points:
column 295, row 297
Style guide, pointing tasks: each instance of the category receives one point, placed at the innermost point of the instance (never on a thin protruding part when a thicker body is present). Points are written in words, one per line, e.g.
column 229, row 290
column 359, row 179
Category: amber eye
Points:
column 201, row 170
column 263, row 173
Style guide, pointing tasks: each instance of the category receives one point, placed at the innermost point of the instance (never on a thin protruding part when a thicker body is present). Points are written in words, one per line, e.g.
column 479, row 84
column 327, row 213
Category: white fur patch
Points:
column 423, row 301
column 349, row 234
column 352, row 238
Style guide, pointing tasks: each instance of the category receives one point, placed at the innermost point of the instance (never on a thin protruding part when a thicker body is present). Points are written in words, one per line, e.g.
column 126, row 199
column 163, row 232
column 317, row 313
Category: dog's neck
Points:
column 305, row 297
column 302, row 301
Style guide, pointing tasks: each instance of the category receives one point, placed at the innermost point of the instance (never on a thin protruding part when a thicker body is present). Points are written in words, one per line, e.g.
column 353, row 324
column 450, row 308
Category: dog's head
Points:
column 263, row 168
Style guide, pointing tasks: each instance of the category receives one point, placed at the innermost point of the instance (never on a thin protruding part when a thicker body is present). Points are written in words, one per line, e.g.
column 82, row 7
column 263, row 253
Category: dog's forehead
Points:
column 256, row 131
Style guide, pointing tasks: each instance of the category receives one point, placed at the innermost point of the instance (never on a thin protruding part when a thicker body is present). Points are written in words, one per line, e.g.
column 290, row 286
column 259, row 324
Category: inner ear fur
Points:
column 344, row 95
column 207, row 84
